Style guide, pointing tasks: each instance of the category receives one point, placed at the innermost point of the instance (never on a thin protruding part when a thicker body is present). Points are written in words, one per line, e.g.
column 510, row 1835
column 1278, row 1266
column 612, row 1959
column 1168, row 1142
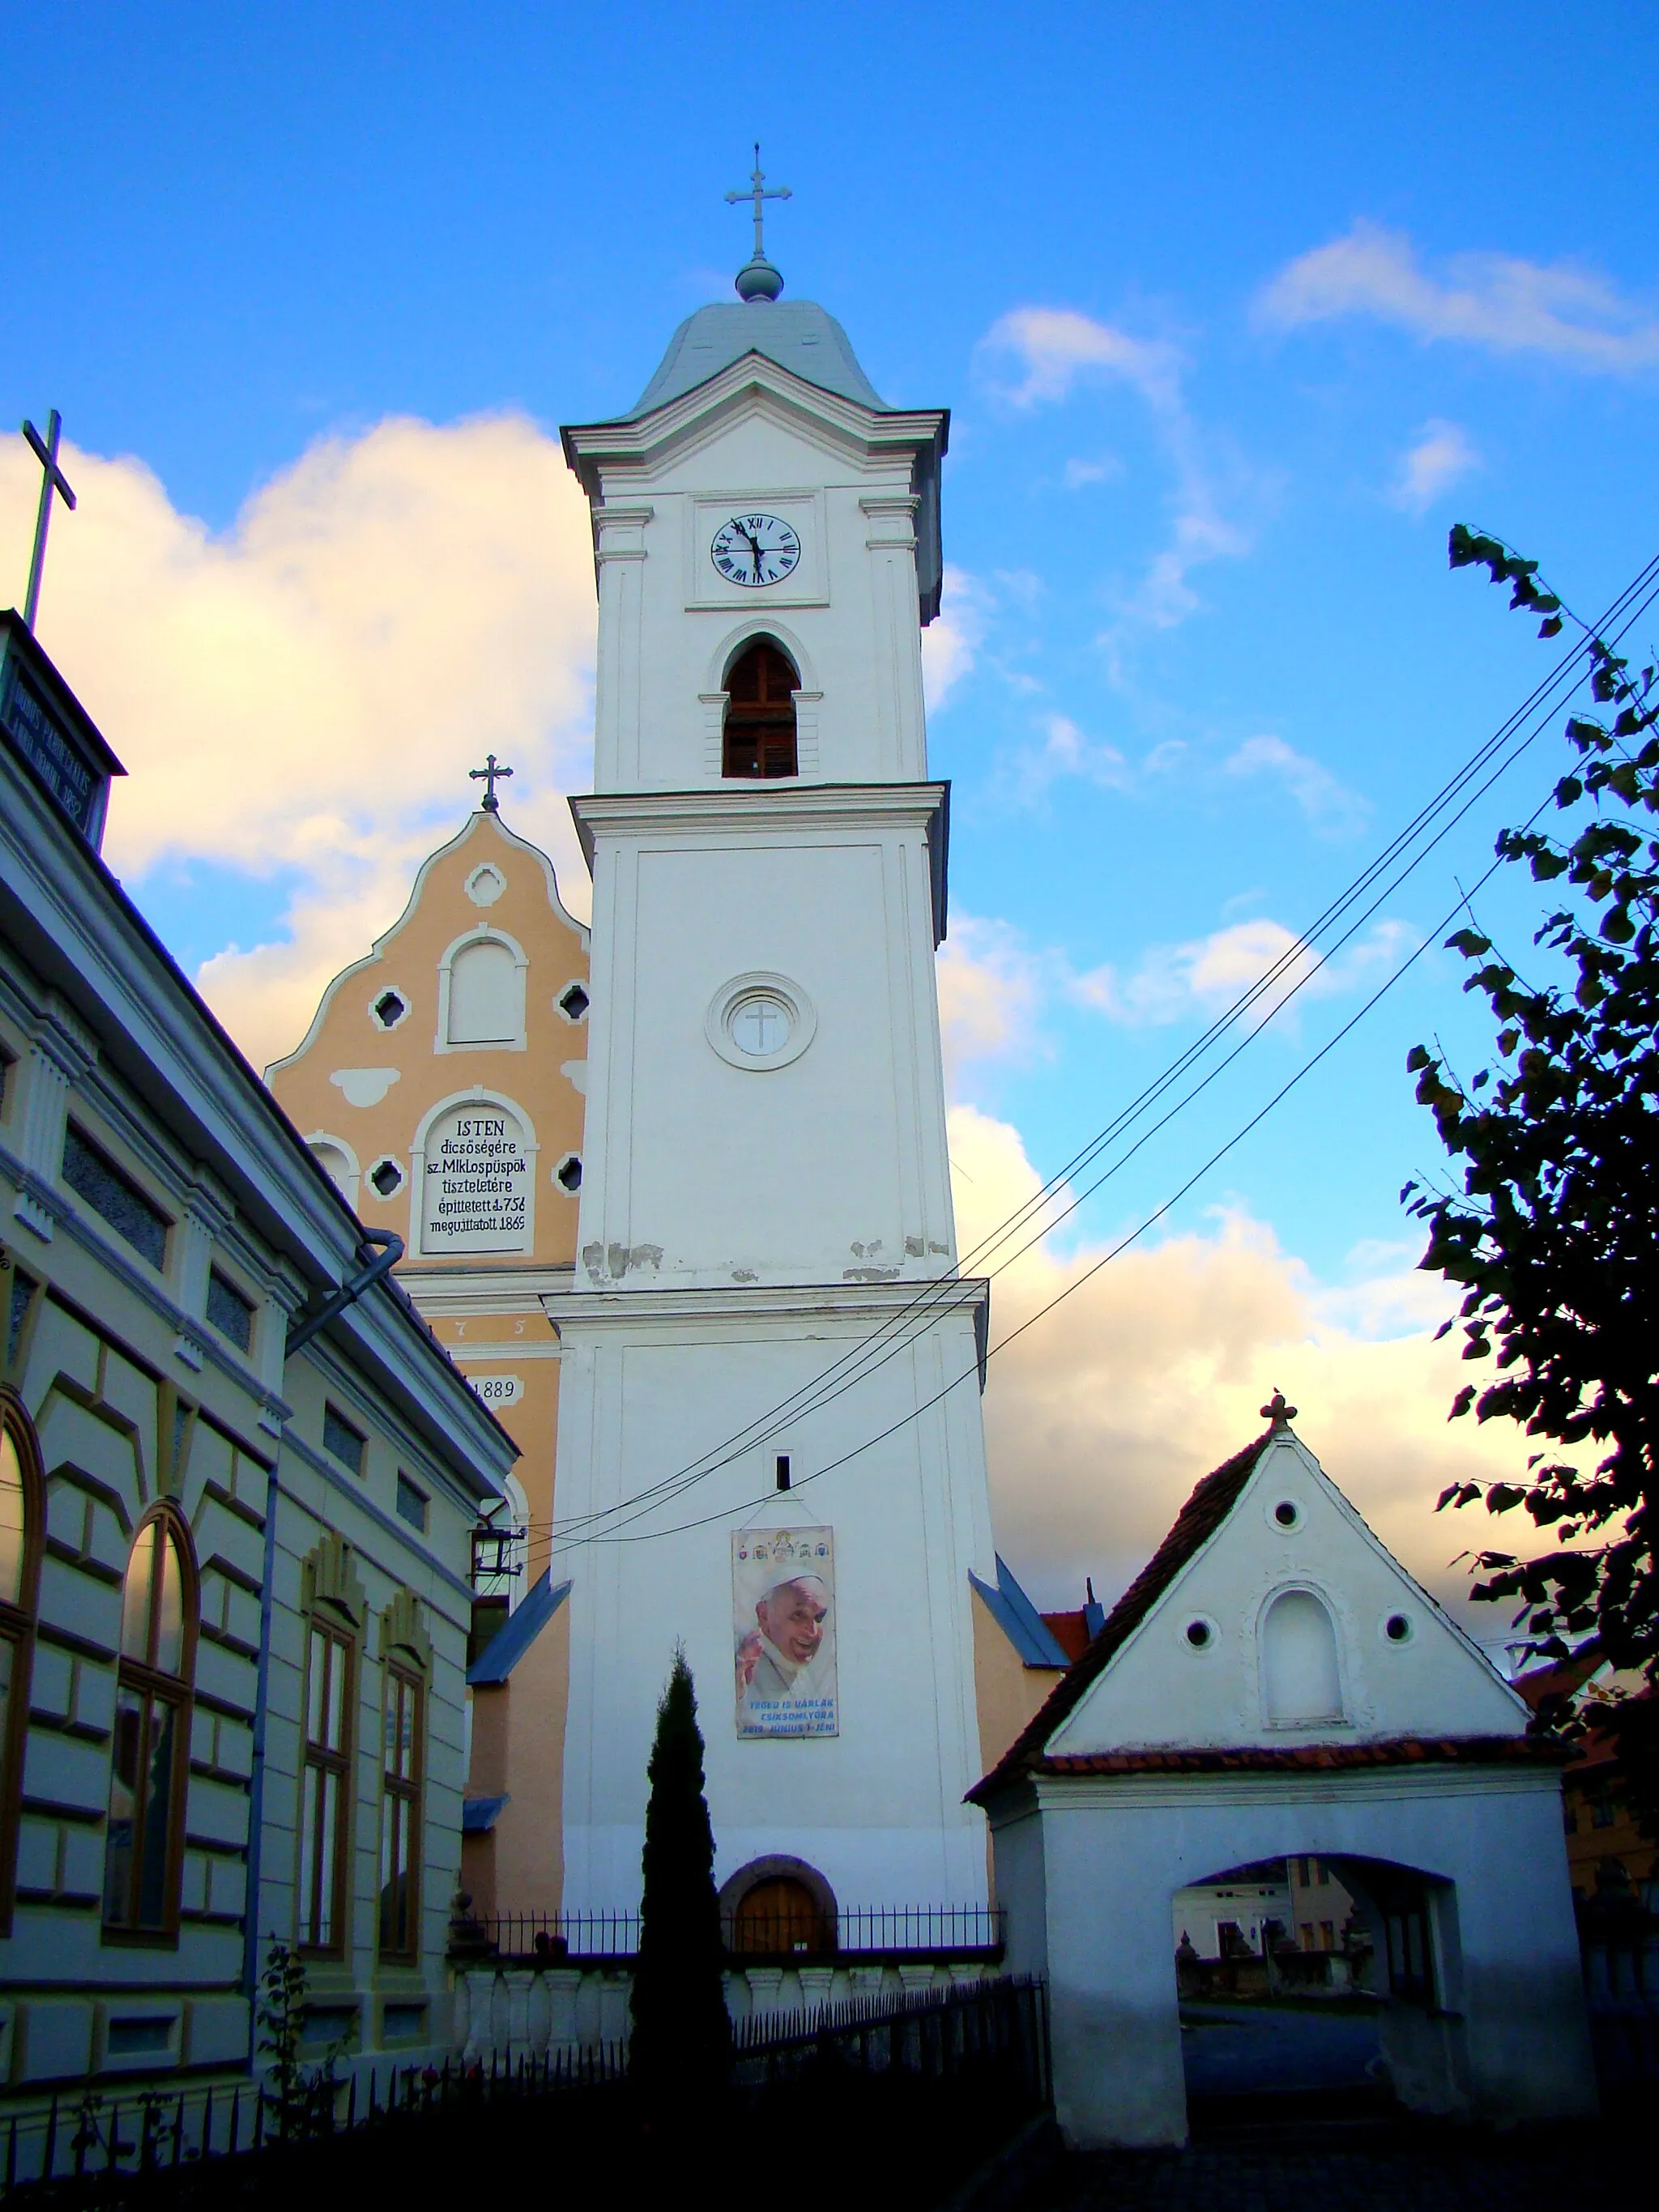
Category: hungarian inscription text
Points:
column 477, row 1183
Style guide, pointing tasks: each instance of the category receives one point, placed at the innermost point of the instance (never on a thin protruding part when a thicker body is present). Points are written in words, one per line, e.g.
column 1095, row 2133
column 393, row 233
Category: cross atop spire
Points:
column 489, row 775
column 52, row 479
column 757, row 279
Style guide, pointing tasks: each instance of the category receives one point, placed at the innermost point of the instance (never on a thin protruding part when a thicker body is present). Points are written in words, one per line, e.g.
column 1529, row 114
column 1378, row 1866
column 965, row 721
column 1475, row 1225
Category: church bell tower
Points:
column 770, row 1441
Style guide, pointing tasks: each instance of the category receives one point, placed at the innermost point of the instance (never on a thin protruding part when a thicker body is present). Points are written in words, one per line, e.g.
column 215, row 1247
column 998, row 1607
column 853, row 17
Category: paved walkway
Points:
column 1364, row 2169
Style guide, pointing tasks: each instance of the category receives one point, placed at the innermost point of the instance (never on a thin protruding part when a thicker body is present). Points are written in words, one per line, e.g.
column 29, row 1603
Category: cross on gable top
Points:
column 489, row 775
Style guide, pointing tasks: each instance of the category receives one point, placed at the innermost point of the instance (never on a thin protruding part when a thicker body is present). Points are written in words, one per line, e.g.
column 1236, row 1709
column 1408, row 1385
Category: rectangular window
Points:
column 231, row 1314
column 115, row 1197
column 488, row 1618
column 400, row 1815
column 325, row 1790
column 411, row 1503
column 346, row 1444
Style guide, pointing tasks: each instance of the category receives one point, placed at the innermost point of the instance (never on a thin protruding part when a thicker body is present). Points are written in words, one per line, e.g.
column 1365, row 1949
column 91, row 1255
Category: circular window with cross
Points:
column 760, row 1021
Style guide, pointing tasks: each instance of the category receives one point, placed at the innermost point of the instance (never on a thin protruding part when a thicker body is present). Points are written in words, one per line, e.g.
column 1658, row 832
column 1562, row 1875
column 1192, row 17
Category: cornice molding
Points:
column 853, row 1303
column 642, row 441
column 789, row 807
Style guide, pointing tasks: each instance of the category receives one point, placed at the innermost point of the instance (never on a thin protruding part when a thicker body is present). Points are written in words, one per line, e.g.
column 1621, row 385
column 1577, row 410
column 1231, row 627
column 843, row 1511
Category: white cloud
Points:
column 1026, row 776
column 1328, row 804
column 1495, row 301
column 1204, row 976
column 1053, row 348
column 1101, row 1417
column 1077, row 473
column 950, row 642
column 1440, row 456
column 990, row 989
column 306, row 692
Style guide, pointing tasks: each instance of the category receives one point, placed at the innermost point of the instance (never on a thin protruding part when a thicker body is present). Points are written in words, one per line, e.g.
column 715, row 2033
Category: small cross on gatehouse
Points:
column 489, row 775
column 52, row 479
column 758, row 193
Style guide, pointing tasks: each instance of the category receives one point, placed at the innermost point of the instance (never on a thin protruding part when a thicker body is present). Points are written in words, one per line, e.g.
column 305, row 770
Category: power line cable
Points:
column 824, row 1389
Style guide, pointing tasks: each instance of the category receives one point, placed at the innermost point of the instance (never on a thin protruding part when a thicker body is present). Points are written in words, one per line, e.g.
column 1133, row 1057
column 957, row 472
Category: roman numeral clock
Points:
column 755, row 550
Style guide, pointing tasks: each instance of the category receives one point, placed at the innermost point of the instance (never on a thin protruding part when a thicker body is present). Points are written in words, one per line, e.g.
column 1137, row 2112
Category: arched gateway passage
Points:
column 1309, row 1984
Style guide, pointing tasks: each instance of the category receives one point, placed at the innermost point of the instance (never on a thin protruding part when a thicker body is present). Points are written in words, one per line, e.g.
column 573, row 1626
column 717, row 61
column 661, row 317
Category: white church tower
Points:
column 761, row 1455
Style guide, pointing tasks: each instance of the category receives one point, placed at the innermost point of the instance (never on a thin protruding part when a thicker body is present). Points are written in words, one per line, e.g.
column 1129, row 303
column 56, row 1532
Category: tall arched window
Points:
column 1301, row 1681
column 144, row 1848
column 22, row 1534
column 406, row 1650
column 760, row 713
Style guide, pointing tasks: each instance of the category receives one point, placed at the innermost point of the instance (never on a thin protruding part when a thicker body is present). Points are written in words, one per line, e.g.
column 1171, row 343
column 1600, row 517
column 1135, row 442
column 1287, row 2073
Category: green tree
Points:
column 1555, row 1235
column 682, row 2039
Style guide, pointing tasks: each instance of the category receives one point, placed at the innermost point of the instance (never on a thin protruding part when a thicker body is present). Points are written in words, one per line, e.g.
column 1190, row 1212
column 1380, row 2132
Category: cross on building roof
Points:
column 758, row 279
column 489, row 775
column 52, row 479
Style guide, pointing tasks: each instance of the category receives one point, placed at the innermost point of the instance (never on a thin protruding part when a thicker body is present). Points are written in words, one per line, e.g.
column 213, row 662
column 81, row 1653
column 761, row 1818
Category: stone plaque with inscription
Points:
column 477, row 1197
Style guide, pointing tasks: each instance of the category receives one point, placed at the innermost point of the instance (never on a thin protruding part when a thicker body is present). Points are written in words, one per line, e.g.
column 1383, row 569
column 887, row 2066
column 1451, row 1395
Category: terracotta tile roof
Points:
column 1197, row 1522
column 1247, row 1758
column 1563, row 1677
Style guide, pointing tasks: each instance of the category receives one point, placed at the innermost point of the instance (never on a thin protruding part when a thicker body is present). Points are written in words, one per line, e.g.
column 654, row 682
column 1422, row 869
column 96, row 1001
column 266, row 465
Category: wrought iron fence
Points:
column 952, row 2071
column 919, row 1933
column 88, row 2149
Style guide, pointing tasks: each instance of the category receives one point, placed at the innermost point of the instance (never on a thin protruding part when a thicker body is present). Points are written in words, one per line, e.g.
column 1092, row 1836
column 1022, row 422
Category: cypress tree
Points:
column 682, row 2039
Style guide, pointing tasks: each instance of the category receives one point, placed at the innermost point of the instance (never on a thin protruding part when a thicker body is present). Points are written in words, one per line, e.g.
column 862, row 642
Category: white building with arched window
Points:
column 1274, row 1689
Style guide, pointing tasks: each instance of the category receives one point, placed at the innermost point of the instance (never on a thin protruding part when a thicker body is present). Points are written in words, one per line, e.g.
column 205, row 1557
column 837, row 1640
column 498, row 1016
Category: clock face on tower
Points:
column 755, row 550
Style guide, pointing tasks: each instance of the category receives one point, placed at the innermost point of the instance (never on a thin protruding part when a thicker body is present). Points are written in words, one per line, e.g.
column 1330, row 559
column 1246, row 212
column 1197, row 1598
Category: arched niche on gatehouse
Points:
column 474, row 1160
column 1300, row 1661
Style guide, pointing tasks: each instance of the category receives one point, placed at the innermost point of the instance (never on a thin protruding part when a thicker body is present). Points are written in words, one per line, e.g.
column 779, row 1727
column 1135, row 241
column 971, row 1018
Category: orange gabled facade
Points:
column 441, row 1083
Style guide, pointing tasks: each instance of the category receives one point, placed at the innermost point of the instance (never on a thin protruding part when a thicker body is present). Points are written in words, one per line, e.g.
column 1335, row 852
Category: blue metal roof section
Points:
column 1018, row 1619
column 524, row 1625
column 480, row 1814
column 798, row 334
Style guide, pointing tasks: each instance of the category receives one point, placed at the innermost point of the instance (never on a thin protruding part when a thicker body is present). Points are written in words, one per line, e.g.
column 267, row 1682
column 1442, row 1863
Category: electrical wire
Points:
column 857, row 1364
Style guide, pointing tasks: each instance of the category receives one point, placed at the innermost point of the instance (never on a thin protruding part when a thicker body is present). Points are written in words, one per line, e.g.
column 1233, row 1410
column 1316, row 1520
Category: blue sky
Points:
column 1359, row 272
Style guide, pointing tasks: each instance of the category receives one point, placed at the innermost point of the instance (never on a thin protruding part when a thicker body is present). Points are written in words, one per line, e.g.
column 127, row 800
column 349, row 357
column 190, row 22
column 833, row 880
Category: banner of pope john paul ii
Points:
column 783, row 1623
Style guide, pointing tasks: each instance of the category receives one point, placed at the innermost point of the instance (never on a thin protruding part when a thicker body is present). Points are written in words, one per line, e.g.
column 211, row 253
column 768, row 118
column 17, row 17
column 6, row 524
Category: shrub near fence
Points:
column 920, row 2090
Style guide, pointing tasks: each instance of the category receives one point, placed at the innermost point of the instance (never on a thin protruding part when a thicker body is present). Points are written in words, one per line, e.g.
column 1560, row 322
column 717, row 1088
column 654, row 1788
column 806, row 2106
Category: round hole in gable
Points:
column 573, row 1002
column 568, row 1173
column 387, row 1177
column 389, row 1009
column 1287, row 1514
column 1201, row 1634
column 1398, row 1628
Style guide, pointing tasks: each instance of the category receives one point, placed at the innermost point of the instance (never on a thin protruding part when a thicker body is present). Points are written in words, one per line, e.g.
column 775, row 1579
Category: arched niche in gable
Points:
column 480, row 993
column 1301, row 1669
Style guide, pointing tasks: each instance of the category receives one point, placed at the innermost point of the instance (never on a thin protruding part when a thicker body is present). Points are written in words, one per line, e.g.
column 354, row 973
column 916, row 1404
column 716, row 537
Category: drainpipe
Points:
column 391, row 1250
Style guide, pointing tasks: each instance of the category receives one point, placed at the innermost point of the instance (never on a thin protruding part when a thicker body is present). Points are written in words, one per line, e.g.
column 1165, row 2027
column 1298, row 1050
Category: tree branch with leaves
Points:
column 1555, row 1235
